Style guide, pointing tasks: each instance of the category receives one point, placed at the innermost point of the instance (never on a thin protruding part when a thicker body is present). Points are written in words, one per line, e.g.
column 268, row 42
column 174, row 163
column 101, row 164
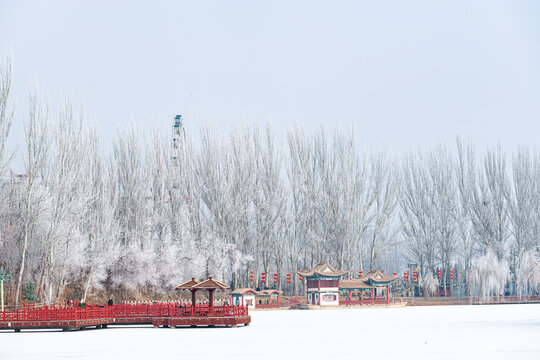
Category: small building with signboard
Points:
column 253, row 299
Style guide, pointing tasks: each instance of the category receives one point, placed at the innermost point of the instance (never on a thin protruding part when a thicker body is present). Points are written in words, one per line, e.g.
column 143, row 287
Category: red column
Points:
column 211, row 298
column 372, row 296
column 338, row 293
column 319, row 284
column 193, row 303
column 388, row 294
column 361, row 297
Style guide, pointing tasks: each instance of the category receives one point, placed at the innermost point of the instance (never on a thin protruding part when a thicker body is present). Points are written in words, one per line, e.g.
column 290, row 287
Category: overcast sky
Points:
column 404, row 73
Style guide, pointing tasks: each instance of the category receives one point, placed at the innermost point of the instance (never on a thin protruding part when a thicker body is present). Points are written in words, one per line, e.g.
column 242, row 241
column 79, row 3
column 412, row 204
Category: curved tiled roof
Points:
column 187, row 285
column 354, row 284
column 322, row 269
column 248, row 291
column 376, row 276
column 244, row 291
column 270, row 292
column 211, row 284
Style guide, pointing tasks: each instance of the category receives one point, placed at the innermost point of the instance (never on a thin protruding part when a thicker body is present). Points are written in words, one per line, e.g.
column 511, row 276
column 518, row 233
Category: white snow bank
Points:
column 443, row 332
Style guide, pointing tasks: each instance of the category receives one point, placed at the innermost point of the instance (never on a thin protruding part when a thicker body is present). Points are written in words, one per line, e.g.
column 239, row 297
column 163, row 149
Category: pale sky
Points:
column 404, row 73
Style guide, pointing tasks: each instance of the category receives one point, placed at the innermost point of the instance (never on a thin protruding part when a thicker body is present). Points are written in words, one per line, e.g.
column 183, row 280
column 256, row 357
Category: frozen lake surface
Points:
column 442, row 332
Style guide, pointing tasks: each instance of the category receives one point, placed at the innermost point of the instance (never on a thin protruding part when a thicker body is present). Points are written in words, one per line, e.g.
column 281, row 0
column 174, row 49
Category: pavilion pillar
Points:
column 361, row 297
column 211, row 298
column 372, row 296
column 388, row 294
column 193, row 300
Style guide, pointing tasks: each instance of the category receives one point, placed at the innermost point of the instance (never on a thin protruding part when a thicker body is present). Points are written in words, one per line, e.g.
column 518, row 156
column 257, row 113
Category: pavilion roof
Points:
column 376, row 276
column 187, row 285
column 355, row 284
column 249, row 291
column 211, row 284
column 322, row 269
column 244, row 291
column 270, row 292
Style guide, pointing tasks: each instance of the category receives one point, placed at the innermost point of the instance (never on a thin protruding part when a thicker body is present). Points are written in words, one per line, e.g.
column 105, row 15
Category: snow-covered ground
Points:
column 443, row 332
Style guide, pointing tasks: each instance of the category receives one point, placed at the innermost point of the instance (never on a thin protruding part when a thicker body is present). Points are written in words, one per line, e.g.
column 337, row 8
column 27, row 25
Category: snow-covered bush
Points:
column 490, row 274
column 528, row 274
column 429, row 283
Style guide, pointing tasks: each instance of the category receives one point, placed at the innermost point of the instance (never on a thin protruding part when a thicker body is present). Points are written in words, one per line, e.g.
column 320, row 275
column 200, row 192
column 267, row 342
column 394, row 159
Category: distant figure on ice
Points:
column 110, row 302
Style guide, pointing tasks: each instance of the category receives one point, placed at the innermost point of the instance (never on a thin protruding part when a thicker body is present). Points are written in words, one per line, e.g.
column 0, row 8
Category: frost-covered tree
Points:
column 528, row 273
column 418, row 220
column 523, row 202
column 429, row 283
column 490, row 274
column 268, row 203
column 444, row 207
column 489, row 205
column 465, row 173
column 132, row 209
column 6, row 111
column 99, row 227
column 385, row 186
column 66, row 186
column 37, row 150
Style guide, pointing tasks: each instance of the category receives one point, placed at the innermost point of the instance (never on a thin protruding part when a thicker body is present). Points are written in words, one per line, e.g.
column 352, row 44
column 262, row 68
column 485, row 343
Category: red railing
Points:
column 266, row 306
column 120, row 312
column 364, row 302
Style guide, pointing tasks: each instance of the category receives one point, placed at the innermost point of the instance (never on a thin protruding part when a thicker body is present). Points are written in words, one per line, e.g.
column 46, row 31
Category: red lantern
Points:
column 360, row 273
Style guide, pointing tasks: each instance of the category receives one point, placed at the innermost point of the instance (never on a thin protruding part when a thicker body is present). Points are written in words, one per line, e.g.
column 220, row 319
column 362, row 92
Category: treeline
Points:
column 153, row 212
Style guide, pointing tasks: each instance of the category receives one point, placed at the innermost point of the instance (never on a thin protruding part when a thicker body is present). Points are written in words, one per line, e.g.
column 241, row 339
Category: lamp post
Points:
column 3, row 276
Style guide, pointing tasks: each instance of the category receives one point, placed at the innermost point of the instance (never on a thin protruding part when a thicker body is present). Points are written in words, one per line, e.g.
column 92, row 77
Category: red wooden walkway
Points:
column 161, row 314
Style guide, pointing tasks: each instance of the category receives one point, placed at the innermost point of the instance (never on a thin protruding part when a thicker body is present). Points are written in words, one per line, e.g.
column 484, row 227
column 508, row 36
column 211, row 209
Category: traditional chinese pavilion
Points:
column 373, row 288
column 256, row 299
column 325, row 286
column 322, row 284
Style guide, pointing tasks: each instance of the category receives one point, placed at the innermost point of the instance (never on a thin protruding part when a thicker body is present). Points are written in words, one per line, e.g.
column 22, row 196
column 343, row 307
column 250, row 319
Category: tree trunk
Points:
column 25, row 247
